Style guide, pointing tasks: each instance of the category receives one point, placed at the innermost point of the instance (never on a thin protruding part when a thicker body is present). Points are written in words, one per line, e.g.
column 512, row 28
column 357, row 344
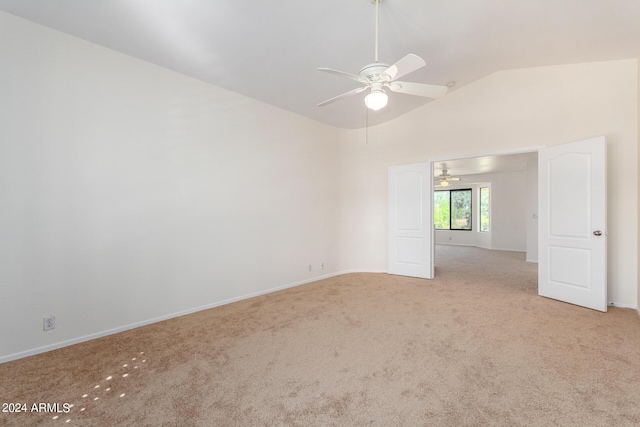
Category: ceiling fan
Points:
column 444, row 178
column 378, row 76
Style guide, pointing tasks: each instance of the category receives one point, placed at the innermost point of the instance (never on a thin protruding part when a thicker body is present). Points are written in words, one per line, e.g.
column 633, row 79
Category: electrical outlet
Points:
column 49, row 323
column 322, row 266
column 309, row 267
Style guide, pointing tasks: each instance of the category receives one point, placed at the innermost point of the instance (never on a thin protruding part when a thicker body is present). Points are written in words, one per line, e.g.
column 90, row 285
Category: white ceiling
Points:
column 485, row 164
column 269, row 50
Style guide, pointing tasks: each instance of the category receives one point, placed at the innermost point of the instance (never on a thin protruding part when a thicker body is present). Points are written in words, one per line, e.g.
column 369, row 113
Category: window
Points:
column 452, row 209
column 441, row 210
column 485, row 208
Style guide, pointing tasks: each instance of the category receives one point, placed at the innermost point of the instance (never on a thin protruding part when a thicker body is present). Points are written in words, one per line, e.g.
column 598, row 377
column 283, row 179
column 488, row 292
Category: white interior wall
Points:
column 131, row 193
column 532, row 210
column 506, row 111
column 508, row 214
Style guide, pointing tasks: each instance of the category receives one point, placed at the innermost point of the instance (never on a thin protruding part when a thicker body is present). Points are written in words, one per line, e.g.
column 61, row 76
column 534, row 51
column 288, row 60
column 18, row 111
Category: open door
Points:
column 572, row 253
column 410, row 222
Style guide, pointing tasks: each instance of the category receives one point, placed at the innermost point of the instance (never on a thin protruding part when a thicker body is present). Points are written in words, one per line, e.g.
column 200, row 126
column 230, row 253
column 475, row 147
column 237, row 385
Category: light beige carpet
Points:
column 475, row 346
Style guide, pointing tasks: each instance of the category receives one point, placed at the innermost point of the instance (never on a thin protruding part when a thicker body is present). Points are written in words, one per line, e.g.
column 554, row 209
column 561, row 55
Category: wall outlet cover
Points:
column 49, row 323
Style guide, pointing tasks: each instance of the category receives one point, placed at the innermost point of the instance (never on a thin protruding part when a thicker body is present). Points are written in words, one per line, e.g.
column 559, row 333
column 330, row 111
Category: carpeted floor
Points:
column 475, row 346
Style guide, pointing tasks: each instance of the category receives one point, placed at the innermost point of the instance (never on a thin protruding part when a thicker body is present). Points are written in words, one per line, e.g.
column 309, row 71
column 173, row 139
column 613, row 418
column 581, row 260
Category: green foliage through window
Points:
column 452, row 209
column 441, row 209
column 485, row 203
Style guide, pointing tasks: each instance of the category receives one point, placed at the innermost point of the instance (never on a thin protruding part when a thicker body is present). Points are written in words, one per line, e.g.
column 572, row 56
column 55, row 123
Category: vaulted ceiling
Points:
column 269, row 51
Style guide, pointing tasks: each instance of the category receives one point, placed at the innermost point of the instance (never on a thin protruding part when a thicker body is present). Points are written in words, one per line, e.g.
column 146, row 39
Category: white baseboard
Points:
column 621, row 305
column 66, row 343
column 478, row 246
column 360, row 271
column 508, row 250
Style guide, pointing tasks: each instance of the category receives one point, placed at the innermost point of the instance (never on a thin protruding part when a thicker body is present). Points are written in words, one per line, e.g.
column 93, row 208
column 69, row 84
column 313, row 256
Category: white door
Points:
column 410, row 223
column 572, row 261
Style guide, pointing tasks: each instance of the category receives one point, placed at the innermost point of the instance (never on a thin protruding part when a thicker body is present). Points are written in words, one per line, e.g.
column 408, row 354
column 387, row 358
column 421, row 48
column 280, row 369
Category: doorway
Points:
column 488, row 201
column 571, row 233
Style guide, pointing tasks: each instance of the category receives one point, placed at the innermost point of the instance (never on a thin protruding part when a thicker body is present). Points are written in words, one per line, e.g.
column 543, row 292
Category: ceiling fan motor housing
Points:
column 374, row 72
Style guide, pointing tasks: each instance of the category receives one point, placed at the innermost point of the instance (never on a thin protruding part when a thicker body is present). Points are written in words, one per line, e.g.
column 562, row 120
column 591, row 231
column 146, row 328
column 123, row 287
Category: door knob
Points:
column 597, row 233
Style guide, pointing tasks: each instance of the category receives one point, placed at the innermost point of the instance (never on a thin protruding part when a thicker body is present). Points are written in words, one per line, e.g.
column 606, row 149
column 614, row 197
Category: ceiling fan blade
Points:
column 344, row 95
column 343, row 74
column 418, row 89
column 405, row 66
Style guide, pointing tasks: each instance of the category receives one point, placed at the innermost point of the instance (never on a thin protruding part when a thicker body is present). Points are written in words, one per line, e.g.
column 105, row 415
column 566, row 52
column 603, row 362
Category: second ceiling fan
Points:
column 444, row 178
column 378, row 76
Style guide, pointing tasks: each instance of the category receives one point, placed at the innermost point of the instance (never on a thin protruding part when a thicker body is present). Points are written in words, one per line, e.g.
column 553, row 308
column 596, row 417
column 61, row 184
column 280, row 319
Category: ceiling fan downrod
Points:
column 377, row 3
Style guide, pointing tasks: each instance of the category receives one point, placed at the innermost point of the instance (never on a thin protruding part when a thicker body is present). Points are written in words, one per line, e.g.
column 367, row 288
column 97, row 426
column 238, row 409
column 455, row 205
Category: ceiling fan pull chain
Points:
column 366, row 126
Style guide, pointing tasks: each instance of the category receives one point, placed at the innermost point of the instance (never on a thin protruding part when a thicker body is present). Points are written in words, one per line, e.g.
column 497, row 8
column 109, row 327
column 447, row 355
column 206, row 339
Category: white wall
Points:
column 638, row 187
column 131, row 193
column 508, row 221
column 532, row 210
column 506, row 111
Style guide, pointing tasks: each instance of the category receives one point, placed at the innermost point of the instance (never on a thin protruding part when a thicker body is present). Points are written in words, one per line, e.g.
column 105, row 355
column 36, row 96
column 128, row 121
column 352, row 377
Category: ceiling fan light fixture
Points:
column 377, row 75
column 376, row 100
column 444, row 184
